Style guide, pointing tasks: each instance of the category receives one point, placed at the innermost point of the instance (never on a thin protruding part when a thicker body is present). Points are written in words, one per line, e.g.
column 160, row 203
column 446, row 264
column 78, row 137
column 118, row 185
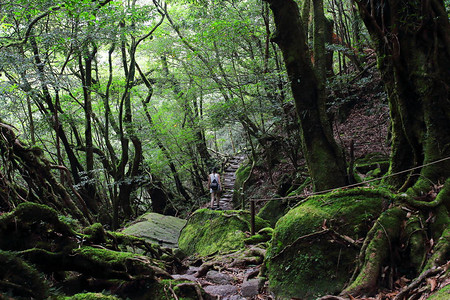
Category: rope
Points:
column 350, row 185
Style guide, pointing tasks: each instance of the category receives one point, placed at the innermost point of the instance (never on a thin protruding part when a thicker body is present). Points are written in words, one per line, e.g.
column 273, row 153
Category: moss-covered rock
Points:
column 34, row 225
column 91, row 296
column 272, row 211
column 157, row 228
column 209, row 231
column 264, row 235
column 308, row 255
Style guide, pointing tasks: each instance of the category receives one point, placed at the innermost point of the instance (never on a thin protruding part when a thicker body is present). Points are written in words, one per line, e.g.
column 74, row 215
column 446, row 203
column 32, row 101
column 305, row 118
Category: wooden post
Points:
column 252, row 213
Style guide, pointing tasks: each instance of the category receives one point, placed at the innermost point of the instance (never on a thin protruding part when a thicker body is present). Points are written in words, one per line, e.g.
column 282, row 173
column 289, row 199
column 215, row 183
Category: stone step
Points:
column 228, row 179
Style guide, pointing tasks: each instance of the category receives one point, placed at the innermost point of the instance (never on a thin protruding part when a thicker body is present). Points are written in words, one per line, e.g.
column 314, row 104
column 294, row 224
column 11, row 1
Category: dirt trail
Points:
column 222, row 277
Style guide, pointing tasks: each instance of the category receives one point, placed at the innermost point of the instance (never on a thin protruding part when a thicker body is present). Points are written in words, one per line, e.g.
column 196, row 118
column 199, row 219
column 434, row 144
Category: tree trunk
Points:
column 76, row 167
column 413, row 47
column 86, row 79
column 179, row 185
column 306, row 11
column 324, row 159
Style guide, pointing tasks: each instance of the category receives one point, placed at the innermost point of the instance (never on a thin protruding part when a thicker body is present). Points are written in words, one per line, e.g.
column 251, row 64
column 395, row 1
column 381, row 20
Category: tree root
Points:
column 19, row 277
column 204, row 268
column 188, row 285
column 98, row 263
column 441, row 251
column 441, row 197
column 36, row 172
column 404, row 293
column 376, row 250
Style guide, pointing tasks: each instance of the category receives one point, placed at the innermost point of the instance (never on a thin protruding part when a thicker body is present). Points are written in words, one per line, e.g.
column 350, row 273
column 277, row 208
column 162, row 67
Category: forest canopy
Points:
column 110, row 109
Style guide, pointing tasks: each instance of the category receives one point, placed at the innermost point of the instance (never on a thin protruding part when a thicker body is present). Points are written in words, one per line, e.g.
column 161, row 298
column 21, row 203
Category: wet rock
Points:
column 251, row 287
column 221, row 290
column 189, row 277
column 192, row 270
column 210, row 232
column 218, row 278
column 235, row 297
column 157, row 228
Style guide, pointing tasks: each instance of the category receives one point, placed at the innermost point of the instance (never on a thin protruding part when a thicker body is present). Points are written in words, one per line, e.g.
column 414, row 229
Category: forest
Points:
column 328, row 122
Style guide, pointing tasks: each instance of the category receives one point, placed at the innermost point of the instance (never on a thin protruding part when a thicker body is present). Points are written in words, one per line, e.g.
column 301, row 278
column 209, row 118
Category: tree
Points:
column 70, row 44
column 324, row 158
column 413, row 48
column 412, row 44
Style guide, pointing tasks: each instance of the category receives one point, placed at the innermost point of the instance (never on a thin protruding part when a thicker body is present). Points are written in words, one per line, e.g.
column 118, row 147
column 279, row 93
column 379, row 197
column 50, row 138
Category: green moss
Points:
column 134, row 244
column 416, row 242
column 441, row 251
column 91, row 296
column 124, row 238
column 442, row 294
column 264, row 235
column 318, row 263
column 19, row 278
column 441, row 221
column 108, row 258
column 242, row 173
column 18, row 227
column 374, row 164
column 300, row 189
column 385, row 230
column 162, row 290
column 33, row 212
column 272, row 211
column 209, row 231
column 95, row 233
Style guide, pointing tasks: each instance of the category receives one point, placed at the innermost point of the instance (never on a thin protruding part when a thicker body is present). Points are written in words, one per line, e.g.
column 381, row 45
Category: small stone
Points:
column 192, row 270
column 218, row 278
column 235, row 297
column 251, row 287
column 221, row 290
column 184, row 277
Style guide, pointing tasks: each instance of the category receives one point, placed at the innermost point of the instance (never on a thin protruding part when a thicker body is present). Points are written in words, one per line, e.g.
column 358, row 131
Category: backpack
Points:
column 214, row 184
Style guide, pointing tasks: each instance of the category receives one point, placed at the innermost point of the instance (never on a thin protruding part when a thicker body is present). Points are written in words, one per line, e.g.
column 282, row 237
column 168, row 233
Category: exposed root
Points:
column 379, row 245
column 35, row 170
column 189, row 285
column 405, row 292
column 441, row 251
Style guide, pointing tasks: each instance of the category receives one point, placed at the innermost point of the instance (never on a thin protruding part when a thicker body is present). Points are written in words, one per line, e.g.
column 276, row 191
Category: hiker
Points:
column 214, row 187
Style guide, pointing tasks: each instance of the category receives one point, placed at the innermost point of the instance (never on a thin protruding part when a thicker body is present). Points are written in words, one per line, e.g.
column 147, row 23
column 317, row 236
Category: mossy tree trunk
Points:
column 412, row 41
column 36, row 182
column 324, row 158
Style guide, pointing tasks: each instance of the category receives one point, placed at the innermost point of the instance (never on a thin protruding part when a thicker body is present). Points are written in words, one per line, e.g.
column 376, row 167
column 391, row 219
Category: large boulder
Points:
column 315, row 245
column 157, row 228
column 211, row 231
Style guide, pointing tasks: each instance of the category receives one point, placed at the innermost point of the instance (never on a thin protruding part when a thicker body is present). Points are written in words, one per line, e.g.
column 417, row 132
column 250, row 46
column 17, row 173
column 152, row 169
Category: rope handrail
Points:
column 350, row 185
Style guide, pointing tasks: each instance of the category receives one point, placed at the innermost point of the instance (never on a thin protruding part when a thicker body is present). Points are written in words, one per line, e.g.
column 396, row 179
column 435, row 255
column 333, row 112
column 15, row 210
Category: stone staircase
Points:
column 228, row 177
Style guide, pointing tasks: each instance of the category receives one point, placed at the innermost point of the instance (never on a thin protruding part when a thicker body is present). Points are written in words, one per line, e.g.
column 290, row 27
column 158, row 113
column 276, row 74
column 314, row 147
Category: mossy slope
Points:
column 209, row 231
column 36, row 244
column 308, row 256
